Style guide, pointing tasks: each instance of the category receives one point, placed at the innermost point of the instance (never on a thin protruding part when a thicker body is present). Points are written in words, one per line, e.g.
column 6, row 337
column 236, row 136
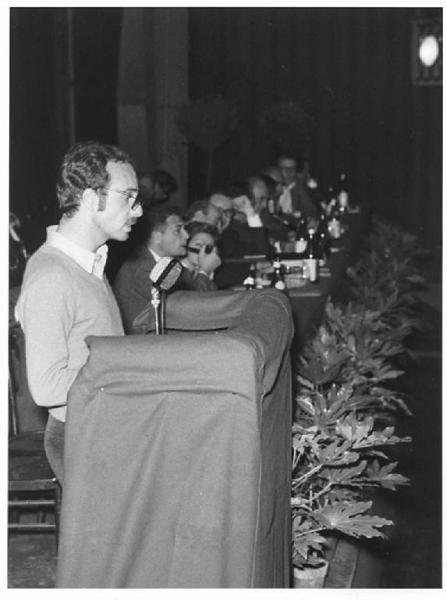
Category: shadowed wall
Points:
column 350, row 69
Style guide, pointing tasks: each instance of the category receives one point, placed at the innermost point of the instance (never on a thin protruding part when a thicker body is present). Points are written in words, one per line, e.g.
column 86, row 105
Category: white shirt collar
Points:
column 92, row 262
column 154, row 254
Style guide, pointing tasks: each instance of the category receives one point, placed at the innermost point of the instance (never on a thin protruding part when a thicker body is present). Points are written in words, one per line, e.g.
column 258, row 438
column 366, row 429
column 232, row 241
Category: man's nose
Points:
column 138, row 211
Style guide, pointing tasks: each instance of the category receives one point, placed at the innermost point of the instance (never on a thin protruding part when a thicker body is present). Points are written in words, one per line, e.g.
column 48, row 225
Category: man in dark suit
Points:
column 166, row 236
column 295, row 197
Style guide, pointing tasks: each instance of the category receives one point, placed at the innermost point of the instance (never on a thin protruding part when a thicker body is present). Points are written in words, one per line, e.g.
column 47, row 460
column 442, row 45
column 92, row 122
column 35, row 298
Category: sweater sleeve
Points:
column 46, row 313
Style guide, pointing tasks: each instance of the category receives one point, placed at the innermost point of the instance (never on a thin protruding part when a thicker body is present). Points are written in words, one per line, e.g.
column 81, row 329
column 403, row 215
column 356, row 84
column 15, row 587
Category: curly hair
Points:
column 165, row 181
column 83, row 167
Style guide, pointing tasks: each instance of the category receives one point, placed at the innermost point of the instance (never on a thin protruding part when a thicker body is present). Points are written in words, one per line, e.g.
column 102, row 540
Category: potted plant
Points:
column 340, row 430
column 386, row 275
column 337, row 455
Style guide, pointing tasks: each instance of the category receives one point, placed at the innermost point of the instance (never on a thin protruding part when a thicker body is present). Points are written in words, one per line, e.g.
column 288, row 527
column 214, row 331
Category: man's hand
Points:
column 208, row 263
column 242, row 204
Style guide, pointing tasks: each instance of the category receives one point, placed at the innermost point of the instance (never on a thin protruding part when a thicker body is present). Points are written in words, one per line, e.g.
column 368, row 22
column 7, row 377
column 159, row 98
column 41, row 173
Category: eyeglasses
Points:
column 130, row 197
column 208, row 249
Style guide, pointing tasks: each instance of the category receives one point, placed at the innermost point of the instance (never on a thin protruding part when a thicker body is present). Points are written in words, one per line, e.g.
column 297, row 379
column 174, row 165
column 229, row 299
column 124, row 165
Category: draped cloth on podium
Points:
column 177, row 458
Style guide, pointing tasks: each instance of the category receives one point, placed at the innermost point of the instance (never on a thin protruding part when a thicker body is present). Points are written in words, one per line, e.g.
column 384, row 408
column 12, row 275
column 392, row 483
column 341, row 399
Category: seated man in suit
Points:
column 243, row 232
column 296, row 197
column 202, row 211
column 166, row 236
column 276, row 224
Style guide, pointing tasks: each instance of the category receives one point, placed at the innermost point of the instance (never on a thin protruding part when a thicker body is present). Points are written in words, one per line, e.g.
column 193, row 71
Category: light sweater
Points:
column 63, row 300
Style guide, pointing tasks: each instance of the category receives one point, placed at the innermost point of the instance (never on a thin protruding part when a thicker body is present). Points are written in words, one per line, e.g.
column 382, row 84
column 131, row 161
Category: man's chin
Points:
column 122, row 236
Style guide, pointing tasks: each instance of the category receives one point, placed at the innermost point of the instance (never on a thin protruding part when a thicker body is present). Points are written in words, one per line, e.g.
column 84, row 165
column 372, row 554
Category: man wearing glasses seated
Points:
column 65, row 295
column 243, row 232
column 202, row 257
column 165, row 236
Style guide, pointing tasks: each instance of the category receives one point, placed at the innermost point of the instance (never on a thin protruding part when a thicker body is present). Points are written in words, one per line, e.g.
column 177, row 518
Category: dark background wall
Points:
column 38, row 114
column 350, row 70
column 39, row 100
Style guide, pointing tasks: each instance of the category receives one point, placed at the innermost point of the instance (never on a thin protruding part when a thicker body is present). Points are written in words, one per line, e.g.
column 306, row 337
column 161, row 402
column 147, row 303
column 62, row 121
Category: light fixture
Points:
column 427, row 52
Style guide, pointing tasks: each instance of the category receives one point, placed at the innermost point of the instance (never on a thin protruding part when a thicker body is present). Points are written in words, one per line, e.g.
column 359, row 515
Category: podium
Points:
column 177, row 457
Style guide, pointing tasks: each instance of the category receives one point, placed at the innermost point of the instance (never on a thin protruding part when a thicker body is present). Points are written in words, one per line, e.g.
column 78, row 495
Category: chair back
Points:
column 24, row 414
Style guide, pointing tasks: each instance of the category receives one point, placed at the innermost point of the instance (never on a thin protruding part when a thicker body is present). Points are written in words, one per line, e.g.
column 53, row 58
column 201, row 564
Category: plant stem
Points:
column 307, row 475
column 316, row 530
column 323, row 491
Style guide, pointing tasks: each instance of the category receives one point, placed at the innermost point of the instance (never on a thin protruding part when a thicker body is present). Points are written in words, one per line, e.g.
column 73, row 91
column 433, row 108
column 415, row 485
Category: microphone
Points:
column 165, row 273
column 163, row 277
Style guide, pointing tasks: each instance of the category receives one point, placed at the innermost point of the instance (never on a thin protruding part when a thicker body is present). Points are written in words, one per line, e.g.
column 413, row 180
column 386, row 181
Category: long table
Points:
column 308, row 301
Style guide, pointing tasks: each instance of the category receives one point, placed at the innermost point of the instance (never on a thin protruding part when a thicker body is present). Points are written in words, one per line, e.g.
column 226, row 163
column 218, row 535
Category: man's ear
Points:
column 156, row 236
column 92, row 200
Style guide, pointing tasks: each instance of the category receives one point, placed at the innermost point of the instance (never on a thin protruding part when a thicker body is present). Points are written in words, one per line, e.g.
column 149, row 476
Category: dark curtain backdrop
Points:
column 350, row 69
column 39, row 100
column 38, row 115
column 97, row 36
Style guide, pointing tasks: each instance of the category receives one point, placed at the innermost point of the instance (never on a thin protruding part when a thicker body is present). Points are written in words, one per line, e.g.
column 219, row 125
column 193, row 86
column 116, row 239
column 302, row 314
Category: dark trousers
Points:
column 54, row 447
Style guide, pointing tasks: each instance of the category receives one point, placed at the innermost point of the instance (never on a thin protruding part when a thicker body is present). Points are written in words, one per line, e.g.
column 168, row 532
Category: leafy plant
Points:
column 386, row 277
column 339, row 436
column 354, row 348
column 337, row 454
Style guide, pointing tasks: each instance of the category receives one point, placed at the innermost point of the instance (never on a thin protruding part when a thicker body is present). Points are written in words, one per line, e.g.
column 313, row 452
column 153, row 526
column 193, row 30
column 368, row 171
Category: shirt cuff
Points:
column 254, row 221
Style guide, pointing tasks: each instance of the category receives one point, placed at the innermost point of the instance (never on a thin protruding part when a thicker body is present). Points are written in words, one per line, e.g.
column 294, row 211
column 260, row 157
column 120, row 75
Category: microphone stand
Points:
column 163, row 276
column 162, row 311
column 155, row 293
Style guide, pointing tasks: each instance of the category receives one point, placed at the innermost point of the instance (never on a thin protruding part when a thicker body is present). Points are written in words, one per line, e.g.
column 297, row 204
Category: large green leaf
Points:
column 385, row 476
column 348, row 518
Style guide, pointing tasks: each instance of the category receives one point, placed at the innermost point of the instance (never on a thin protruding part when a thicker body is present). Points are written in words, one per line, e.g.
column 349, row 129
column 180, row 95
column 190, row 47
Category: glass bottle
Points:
column 250, row 280
column 323, row 239
column 277, row 277
column 334, row 220
column 301, row 235
column 343, row 196
column 312, row 256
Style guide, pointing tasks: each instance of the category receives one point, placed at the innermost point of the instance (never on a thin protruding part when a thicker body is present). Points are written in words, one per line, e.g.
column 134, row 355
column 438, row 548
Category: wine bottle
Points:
column 313, row 256
column 343, row 196
column 334, row 220
column 323, row 239
column 250, row 280
column 277, row 277
column 301, row 235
